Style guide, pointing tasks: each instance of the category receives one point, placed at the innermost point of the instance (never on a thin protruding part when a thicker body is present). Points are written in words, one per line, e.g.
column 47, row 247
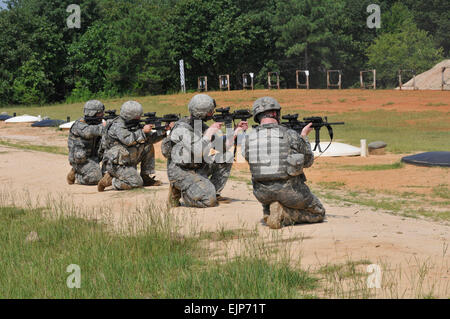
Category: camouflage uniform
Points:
column 198, row 177
column 276, row 156
column 124, row 149
column 83, row 143
column 199, row 183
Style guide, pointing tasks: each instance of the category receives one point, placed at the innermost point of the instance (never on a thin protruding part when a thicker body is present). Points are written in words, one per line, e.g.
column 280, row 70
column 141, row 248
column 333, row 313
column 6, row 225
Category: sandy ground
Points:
column 349, row 233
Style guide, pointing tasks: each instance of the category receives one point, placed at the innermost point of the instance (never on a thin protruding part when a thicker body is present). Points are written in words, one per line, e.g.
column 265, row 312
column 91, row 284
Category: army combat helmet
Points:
column 264, row 104
column 131, row 110
column 200, row 105
column 92, row 107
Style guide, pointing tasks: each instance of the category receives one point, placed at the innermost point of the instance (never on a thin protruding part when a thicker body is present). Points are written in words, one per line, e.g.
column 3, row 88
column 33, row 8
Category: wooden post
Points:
column 364, row 151
column 400, row 79
column 443, row 79
column 225, row 77
column 374, row 79
column 269, row 81
column 340, row 80
column 306, row 84
column 201, row 88
column 245, row 77
column 328, row 79
column 339, row 84
column 361, row 82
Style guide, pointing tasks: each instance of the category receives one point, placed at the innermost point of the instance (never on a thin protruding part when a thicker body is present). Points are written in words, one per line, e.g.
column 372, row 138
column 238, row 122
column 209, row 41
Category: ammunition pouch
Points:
column 295, row 163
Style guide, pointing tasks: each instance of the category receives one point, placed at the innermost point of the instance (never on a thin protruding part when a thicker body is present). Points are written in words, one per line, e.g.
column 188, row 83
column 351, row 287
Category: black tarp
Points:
column 429, row 159
column 48, row 123
column 4, row 117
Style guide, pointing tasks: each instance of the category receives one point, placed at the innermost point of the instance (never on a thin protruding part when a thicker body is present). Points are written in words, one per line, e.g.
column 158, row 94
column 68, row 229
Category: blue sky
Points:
column 2, row 5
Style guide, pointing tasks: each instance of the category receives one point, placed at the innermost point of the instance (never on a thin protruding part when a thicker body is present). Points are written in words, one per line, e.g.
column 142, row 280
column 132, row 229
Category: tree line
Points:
column 132, row 47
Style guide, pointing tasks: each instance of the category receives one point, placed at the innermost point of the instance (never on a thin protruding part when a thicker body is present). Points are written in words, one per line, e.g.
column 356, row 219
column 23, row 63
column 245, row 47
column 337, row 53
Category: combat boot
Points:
column 104, row 182
column 174, row 196
column 276, row 217
column 150, row 181
column 71, row 177
column 266, row 213
column 224, row 200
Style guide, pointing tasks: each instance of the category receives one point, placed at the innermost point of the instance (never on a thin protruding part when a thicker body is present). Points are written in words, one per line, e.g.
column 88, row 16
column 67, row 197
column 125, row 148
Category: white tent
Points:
column 337, row 149
column 24, row 119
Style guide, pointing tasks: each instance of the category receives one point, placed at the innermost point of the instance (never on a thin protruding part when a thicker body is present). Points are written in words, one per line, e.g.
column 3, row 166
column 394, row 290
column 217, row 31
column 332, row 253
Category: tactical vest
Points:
column 268, row 150
column 115, row 152
column 179, row 155
column 89, row 146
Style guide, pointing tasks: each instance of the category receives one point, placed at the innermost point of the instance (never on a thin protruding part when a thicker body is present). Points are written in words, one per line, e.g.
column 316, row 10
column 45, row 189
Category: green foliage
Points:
column 155, row 263
column 409, row 49
column 133, row 47
column 396, row 19
column 433, row 16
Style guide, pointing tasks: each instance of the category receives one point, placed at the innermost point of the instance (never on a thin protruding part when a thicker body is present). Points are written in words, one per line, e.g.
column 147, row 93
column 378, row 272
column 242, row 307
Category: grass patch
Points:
column 225, row 234
column 342, row 100
column 376, row 167
column 400, row 203
column 343, row 271
column 240, row 179
column 404, row 132
column 247, row 278
column 436, row 104
column 442, row 191
column 332, row 185
column 388, row 103
column 154, row 263
column 39, row 148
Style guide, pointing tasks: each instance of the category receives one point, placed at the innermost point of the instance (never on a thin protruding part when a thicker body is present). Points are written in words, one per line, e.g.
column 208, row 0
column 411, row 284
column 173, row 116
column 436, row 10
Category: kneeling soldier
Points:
column 126, row 144
column 277, row 156
column 84, row 141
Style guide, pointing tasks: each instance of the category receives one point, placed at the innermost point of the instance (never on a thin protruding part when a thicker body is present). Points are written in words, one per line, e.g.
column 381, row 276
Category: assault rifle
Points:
column 111, row 115
column 226, row 117
column 95, row 120
column 157, row 122
column 317, row 123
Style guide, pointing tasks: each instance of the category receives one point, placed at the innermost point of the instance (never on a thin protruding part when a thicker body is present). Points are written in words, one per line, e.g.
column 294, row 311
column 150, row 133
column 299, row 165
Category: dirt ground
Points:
column 349, row 233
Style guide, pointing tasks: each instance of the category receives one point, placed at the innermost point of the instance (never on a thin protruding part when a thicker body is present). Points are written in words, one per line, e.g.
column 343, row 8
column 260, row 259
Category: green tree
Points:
column 433, row 16
column 410, row 49
column 310, row 34
column 221, row 36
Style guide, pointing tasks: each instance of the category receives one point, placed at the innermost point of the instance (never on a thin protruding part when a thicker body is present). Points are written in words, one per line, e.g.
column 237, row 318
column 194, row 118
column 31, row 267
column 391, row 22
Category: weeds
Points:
column 376, row 167
column 153, row 261
column 39, row 148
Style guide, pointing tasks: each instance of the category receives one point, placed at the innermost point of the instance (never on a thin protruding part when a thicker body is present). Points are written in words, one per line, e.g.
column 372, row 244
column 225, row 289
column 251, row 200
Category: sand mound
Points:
column 431, row 79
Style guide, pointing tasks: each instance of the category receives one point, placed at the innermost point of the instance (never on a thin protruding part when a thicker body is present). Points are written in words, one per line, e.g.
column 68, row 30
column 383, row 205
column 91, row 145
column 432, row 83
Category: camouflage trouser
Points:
column 88, row 173
column 126, row 177
column 298, row 201
column 196, row 188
